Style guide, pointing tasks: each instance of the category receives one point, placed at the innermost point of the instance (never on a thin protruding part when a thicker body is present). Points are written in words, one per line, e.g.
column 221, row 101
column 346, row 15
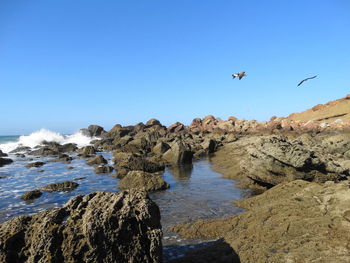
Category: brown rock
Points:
column 98, row 227
column 66, row 186
column 142, row 180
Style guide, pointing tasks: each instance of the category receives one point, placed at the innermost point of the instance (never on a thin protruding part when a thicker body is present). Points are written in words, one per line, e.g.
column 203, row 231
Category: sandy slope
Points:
column 329, row 112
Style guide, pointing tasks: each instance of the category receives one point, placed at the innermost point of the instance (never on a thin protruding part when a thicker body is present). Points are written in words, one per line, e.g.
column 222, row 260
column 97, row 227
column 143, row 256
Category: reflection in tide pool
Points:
column 195, row 191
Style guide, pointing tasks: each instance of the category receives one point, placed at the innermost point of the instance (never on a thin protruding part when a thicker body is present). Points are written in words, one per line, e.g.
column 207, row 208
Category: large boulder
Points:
column 179, row 153
column 87, row 151
column 137, row 163
column 153, row 122
column 98, row 227
column 96, row 130
column 97, row 160
column 4, row 161
column 142, row 180
column 160, row 148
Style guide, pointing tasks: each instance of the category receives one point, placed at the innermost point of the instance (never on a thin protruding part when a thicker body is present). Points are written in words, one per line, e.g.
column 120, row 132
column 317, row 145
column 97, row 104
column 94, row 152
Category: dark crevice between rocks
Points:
column 207, row 252
column 261, row 183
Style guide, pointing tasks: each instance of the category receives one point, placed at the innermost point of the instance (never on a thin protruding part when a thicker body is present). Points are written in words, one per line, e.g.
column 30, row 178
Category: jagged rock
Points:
column 176, row 127
column 103, row 169
column 35, row 164
column 161, row 148
column 97, row 160
column 87, row 151
column 179, row 153
column 153, row 122
column 31, row 195
column 209, row 145
column 66, row 186
column 142, row 180
column 2, row 154
column 68, row 148
column 4, row 161
column 21, row 149
column 137, row 163
column 98, row 227
column 96, row 130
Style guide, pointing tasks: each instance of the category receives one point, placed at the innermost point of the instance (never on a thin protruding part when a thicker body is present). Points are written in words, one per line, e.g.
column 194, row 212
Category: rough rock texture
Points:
column 97, row 160
column 265, row 161
column 60, row 187
column 96, row 130
column 4, row 161
column 179, row 153
column 137, row 163
column 31, row 195
column 161, row 148
column 2, row 154
column 98, row 227
column 142, row 180
column 87, row 151
column 293, row 222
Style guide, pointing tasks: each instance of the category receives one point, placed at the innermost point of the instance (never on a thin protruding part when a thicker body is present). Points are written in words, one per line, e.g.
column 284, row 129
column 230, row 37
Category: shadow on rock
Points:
column 216, row 251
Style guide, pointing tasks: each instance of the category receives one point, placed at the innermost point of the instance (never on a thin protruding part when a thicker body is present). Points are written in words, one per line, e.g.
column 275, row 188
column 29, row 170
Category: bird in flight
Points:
column 239, row 75
column 301, row 82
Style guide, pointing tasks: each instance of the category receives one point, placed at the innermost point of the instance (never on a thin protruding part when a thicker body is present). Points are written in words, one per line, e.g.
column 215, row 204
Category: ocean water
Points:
column 195, row 191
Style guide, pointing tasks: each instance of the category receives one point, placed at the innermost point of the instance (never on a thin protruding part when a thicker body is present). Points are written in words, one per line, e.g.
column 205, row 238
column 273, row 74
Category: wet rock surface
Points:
column 60, row 187
column 97, row 160
column 98, row 227
column 4, row 161
column 35, row 164
column 104, row 169
column 297, row 221
column 143, row 180
column 31, row 195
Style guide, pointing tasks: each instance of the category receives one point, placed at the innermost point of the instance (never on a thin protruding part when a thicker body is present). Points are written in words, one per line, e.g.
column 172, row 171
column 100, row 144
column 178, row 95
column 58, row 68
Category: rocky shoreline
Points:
column 299, row 172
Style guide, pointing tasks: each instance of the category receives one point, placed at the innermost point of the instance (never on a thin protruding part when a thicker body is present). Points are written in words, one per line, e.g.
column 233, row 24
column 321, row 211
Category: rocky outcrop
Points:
column 87, row 151
column 104, row 169
column 277, row 159
column 98, row 227
column 31, row 195
column 179, row 153
column 293, row 222
column 142, row 180
column 4, row 161
column 2, row 154
column 96, row 131
column 54, row 149
column 66, row 186
column 137, row 163
column 97, row 160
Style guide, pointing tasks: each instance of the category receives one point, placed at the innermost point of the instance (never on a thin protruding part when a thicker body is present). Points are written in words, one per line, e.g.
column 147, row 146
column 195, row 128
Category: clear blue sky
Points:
column 67, row 64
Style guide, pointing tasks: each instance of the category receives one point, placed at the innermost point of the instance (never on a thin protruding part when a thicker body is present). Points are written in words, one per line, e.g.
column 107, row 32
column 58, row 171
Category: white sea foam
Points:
column 38, row 137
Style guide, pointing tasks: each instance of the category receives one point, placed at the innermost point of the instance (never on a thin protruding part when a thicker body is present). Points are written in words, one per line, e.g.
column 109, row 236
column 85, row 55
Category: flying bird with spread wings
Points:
column 239, row 75
column 301, row 82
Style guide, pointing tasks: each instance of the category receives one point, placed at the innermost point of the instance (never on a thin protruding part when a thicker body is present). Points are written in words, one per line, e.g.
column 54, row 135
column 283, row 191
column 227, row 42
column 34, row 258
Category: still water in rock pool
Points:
column 195, row 192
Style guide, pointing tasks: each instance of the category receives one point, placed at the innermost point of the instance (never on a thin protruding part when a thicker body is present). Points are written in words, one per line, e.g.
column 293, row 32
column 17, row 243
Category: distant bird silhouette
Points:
column 301, row 82
column 239, row 75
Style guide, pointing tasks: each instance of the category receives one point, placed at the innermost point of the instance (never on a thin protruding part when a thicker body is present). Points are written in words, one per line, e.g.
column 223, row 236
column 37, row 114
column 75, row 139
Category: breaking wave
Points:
column 43, row 135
